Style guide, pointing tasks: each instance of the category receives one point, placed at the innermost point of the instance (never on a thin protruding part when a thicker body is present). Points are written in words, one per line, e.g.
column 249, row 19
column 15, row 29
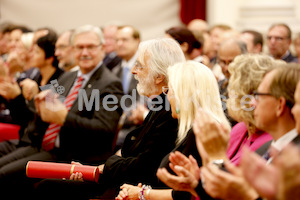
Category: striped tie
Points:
column 53, row 129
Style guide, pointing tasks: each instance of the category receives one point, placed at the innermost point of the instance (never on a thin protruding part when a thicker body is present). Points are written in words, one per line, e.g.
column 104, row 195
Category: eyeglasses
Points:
column 165, row 90
column 138, row 66
column 61, row 47
column 257, row 94
column 89, row 48
column 224, row 62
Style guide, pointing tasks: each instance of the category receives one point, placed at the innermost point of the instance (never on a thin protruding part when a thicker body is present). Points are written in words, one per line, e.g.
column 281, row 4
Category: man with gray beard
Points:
column 144, row 147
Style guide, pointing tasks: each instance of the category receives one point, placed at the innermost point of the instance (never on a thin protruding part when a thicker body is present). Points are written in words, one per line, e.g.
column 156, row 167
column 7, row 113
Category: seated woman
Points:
column 191, row 85
column 247, row 72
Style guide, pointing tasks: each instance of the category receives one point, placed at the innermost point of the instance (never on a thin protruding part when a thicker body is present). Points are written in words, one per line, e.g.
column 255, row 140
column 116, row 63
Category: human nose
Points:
column 133, row 70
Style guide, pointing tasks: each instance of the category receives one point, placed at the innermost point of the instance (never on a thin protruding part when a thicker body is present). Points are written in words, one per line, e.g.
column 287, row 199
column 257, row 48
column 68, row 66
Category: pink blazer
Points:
column 239, row 138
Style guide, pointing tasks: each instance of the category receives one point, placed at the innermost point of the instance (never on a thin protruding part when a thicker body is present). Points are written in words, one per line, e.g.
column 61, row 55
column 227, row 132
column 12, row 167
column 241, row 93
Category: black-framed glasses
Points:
column 257, row 94
column 165, row 90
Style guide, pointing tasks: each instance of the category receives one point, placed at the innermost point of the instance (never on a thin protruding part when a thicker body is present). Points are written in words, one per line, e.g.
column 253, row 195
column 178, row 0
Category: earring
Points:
column 177, row 110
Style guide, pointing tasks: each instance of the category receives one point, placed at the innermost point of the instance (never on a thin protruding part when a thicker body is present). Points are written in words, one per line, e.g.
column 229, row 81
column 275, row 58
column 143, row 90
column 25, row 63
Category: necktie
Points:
column 53, row 129
column 267, row 155
column 125, row 82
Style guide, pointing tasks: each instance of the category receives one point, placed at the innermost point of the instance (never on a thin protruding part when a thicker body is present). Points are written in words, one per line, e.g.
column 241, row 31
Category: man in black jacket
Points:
column 145, row 146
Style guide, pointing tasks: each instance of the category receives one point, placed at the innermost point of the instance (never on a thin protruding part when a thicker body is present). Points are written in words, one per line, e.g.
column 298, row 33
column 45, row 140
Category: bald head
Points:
column 198, row 25
column 228, row 50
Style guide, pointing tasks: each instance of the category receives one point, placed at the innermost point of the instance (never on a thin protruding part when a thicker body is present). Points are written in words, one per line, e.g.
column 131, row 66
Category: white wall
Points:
column 151, row 17
column 254, row 14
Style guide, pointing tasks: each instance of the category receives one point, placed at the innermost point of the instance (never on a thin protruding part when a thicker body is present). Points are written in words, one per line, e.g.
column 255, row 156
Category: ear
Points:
column 159, row 79
column 281, row 106
column 49, row 60
column 184, row 46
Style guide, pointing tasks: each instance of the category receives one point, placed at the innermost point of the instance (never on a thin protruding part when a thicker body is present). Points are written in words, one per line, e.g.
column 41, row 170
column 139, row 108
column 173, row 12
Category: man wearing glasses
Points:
column 60, row 130
column 274, row 100
column 279, row 39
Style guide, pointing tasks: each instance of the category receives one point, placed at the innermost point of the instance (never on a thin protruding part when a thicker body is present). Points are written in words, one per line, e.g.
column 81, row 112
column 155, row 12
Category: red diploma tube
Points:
column 37, row 169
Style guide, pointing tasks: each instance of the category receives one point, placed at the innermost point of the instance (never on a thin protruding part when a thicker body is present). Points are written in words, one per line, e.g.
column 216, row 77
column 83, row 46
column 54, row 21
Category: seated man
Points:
column 73, row 130
column 145, row 146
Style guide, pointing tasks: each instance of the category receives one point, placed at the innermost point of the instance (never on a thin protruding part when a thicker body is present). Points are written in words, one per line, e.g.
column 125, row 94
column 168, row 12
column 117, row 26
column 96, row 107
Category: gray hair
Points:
column 88, row 28
column 241, row 44
column 163, row 53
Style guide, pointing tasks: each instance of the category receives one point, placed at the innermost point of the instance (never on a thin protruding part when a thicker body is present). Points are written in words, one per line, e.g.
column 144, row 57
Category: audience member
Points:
column 111, row 58
column 229, row 49
column 190, row 46
column 297, row 46
column 64, row 52
column 272, row 91
column 215, row 33
column 17, row 100
column 200, row 29
column 276, row 91
column 145, row 146
column 211, row 137
column 127, row 41
column 198, row 24
column 191, row 85
column 64, row 131
column 279, row 39
column 5, row 37
column 254, row 41
column 266, row 178
column 15, row 60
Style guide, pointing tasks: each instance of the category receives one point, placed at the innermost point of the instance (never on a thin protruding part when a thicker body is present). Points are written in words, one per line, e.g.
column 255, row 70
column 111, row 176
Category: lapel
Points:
column 149, row 123
column 296, row 140
column 264, row 148
column 69, row 83
column 90, row 85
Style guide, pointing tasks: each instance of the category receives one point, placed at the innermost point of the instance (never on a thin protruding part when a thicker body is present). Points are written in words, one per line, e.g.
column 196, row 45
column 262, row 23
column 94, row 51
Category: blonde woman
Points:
column 191, row 86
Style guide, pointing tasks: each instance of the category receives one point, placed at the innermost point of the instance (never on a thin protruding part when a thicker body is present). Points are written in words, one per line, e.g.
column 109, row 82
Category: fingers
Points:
column 180, row 171
column 75, row 163
column 123, row 194
column 76, row 176
column 178, row 158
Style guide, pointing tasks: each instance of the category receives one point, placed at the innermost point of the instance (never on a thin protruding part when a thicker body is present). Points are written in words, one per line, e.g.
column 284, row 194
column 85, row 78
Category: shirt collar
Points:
column 130, row 62
column 285, row 139
column 87, row 76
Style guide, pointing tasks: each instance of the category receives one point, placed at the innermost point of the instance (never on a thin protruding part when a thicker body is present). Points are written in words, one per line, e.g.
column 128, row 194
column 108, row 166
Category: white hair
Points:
column 163, row 52
column 88, row 28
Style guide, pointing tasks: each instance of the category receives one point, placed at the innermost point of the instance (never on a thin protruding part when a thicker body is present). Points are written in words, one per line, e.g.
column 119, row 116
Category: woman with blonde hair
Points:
column 191, row 86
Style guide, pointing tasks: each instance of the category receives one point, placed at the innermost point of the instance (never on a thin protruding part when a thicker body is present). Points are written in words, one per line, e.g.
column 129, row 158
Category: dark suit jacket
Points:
column 118, row 70
column 143, row 150
column 111, row 60
column 86, row 135
column 23, row 112
column 264, row 148
column 290, row 58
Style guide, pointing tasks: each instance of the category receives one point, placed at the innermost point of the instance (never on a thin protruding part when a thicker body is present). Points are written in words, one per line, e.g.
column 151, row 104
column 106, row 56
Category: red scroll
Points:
column 37, row 169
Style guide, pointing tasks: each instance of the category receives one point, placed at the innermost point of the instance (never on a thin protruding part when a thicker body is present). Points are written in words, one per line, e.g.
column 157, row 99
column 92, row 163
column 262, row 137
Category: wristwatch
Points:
column 220, row 164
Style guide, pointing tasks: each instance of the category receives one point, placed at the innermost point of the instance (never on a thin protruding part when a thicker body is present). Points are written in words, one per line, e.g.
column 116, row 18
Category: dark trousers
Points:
column 69, row 189
column 13, row 181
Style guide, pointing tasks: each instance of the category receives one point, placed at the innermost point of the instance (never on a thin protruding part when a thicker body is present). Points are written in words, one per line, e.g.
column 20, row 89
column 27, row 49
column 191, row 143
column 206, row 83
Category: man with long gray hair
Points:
column 145, row 146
